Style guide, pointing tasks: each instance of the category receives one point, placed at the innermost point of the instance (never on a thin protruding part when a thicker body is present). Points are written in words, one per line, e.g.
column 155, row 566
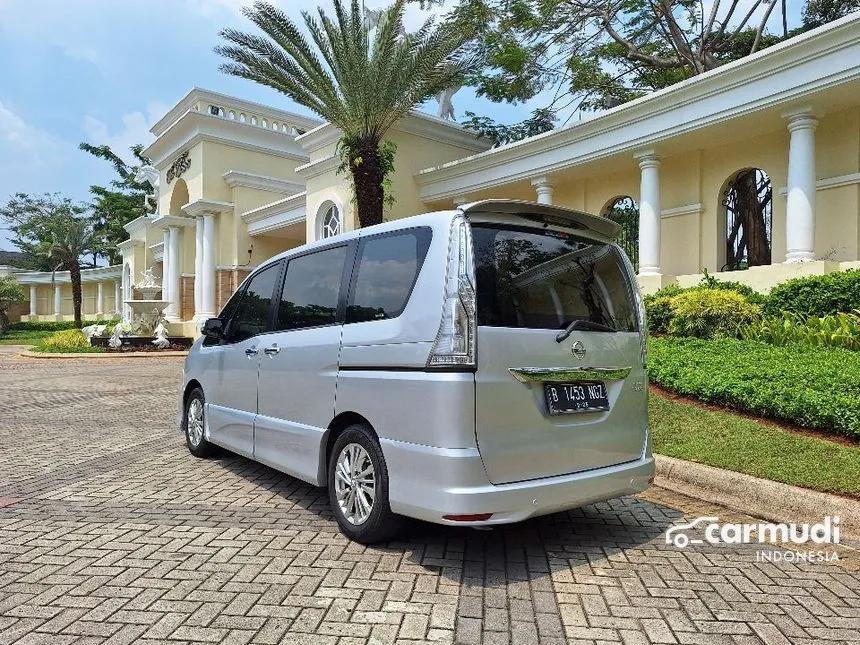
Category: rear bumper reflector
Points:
column 477, row 517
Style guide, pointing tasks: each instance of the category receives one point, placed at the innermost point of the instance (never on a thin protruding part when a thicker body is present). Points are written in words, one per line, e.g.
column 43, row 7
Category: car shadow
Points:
column 598, row 532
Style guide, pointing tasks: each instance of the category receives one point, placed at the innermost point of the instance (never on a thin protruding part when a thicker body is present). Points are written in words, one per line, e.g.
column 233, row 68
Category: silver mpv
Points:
column 472, row 367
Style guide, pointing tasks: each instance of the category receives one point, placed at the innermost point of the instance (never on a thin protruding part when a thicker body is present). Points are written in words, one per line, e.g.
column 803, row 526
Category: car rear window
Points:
column 542, row 279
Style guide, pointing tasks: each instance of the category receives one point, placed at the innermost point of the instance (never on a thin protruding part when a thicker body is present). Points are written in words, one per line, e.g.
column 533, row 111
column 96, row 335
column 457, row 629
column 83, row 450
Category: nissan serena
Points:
column 473, row 367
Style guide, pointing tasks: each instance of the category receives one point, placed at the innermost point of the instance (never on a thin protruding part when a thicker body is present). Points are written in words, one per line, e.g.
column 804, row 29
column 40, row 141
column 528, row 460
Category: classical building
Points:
column 750, row 171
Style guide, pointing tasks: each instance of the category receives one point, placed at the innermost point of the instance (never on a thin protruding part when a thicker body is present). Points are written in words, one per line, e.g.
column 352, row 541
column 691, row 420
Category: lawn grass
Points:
column 726, row 440
column 23, row 337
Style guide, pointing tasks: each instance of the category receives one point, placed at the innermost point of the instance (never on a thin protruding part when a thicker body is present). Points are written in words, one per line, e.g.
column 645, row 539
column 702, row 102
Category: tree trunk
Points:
column 751, row 213
column 367, row 180
column 75, row 277
column 4, row 322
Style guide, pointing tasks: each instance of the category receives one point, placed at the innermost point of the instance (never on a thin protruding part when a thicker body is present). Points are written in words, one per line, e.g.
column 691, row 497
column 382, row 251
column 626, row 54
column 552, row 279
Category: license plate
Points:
column 567, row 398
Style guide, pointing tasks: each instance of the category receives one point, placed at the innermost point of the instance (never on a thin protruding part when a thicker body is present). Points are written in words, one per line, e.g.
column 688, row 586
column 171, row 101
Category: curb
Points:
column 105, row 355
column 762, row 498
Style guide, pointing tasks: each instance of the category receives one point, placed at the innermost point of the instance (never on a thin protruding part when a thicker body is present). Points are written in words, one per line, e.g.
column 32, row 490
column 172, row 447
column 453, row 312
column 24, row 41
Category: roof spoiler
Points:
column 545, row 213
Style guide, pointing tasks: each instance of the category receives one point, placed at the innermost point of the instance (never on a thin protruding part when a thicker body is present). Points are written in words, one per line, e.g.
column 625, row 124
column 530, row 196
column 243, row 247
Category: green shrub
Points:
column 710, row 282
column 711, row 313
column 841, row 330
column 58, row 325
column 814, row 387
column 67, row 341
column 659, row 314
column 657, row 305
column 820, row 295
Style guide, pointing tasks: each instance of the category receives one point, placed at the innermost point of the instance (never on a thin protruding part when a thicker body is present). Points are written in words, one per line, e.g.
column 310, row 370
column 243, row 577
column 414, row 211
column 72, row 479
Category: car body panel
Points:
column 456, row 441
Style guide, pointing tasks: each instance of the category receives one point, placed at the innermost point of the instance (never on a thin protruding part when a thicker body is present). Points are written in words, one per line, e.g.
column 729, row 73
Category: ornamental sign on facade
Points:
column 182, row 163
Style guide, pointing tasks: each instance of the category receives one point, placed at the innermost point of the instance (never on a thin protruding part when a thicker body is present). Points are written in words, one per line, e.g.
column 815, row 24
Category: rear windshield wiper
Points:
column 584, row 325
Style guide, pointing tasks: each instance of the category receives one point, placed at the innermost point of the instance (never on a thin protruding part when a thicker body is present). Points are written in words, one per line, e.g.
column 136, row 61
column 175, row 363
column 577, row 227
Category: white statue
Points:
column 150, row 175
column 446, row 106
column 149, row 280
column 116, row 338
column 374, row 16
column 161, row 340
column 93, row 330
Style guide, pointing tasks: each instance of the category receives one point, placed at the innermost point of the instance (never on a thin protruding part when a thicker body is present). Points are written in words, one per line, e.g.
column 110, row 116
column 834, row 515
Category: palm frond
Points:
column 361, row 84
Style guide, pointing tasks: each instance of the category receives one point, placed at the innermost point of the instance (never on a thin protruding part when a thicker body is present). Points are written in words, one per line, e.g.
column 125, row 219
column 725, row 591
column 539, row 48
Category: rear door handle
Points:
column 251, row 351
column 271, row 351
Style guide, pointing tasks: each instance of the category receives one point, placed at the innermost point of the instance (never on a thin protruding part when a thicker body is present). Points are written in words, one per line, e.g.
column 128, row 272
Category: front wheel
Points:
column 358, row 487
column 194, row 422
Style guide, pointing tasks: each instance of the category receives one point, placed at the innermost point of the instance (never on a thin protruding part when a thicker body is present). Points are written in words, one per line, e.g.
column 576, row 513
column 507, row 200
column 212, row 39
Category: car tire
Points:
column 357, row 466
column 193, row 424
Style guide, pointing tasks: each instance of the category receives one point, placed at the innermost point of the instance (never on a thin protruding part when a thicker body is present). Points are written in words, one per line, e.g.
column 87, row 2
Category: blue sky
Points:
column 104, row 71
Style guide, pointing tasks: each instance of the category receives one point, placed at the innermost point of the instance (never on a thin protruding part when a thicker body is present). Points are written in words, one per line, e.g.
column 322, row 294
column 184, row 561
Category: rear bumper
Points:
column 428, row 483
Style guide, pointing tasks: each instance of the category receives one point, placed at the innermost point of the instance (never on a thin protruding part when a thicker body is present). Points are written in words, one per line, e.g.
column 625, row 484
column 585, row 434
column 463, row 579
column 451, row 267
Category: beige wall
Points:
column 414, row 153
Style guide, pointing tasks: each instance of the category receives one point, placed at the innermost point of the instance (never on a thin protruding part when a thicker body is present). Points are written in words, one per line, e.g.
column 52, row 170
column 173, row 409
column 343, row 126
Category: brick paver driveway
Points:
column 110, row 532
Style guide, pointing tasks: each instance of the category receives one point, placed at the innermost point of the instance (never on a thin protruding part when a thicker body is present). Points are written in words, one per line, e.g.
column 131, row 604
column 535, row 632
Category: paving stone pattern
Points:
column 110, row 532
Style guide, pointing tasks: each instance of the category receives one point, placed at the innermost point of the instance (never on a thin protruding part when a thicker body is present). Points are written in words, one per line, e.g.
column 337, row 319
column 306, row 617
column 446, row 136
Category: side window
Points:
column 388, row 267
column 254, row 311
column 311, row 289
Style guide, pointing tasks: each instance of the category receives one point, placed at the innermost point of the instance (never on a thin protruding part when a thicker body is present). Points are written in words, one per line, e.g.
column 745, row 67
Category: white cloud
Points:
column 134, row 130
column 19, row 137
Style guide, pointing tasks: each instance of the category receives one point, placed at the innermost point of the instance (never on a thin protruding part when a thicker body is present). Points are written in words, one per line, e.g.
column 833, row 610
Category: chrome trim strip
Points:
column 568, row 374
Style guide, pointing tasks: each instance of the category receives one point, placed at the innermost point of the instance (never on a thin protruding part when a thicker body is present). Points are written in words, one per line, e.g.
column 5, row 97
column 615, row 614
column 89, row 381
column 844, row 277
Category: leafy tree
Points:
column 54, row 230
column 116, row 205
column 820, row 12
column 360, row 83
column 10, row 293
column 597, row 54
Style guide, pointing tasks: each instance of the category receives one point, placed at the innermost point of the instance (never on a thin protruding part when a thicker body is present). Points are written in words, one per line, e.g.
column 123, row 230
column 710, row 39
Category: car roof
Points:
column 442, row 219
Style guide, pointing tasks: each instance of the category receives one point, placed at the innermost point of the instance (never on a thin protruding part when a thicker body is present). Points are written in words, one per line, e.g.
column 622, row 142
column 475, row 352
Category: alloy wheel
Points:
column 194, row 422
column 355, row 483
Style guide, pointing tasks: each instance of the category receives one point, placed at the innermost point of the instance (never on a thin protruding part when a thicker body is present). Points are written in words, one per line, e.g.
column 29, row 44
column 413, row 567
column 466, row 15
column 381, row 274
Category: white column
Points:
column 58, row 300
column 100, row 299
column 33, row 294
column 543, row 188
column 117, row 296
column 198, row 267
column 649, row 214
column 165, row 265
column 173, row 273
column 800, row 205
column 207, row 268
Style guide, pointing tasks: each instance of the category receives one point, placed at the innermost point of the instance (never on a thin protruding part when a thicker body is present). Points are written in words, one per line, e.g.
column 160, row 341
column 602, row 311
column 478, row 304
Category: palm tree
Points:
column 71, row 238
column 359, row 84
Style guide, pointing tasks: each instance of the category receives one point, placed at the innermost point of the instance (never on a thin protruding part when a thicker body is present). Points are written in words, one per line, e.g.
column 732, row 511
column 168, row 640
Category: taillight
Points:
column 455, row 342
column 476, row 517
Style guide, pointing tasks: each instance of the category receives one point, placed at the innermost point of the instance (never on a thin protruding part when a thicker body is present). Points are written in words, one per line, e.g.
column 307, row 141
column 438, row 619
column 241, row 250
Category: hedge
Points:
column 819, row 295
column 56, row 325
column 813, row 387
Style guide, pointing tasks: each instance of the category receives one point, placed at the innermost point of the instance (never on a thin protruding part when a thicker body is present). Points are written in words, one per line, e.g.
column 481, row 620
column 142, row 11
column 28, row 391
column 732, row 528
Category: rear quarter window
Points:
column 385, row 273
column 540, row 279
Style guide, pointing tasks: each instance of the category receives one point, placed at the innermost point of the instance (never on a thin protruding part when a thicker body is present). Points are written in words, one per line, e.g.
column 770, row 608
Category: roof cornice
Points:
column 416, row 124
column 137, row 226
column 194, row 127
column 776, row 77
column 95, row 274
column 198, row 94
column 203, row 207
column 262, row 182
column 279, row 214
column 318, row 167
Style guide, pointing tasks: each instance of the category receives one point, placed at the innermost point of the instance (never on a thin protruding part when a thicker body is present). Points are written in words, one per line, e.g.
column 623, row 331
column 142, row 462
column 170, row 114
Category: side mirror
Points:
column 213, row 329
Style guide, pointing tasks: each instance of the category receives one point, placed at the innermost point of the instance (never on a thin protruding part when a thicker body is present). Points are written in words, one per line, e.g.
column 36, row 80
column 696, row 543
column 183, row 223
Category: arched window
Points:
column 748, row 202
column 179, row 197
column 625, row 211
column 328, row 221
